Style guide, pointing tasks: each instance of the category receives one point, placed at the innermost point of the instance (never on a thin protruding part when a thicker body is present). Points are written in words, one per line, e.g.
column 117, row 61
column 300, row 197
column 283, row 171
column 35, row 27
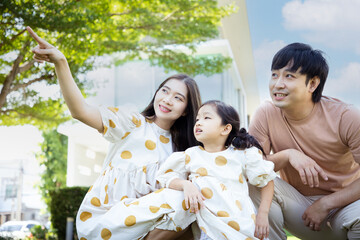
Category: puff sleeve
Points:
column 173, row 167
column 119, row 121
column 257, row 170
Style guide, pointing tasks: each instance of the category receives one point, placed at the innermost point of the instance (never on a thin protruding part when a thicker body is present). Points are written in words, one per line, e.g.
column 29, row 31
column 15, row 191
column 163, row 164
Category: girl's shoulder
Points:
column 194, row 149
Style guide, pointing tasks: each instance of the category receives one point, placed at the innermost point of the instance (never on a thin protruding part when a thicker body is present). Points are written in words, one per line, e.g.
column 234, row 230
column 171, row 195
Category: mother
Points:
column 139, row 144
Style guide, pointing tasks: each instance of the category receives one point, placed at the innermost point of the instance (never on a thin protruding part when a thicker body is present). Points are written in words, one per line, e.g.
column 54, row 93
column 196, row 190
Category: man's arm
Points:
column 317, row 212
column 307, row 168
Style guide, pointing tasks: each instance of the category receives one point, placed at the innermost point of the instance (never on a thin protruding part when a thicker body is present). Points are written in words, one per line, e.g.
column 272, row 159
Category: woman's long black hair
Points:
column 239, row 138
column 182, row 130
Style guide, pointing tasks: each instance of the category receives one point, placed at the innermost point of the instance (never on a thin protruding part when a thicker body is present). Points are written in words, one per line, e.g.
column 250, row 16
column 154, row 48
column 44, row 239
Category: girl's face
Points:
column 170, row 103
column 208, row 126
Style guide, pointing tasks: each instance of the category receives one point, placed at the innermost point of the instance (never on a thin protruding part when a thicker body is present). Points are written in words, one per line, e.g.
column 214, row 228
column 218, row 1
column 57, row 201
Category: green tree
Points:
column 82, row 30
column 53, row 158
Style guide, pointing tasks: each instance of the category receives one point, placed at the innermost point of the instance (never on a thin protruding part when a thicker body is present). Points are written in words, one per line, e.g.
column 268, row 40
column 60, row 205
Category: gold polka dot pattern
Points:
column 150, row 145
column 207, row 192
column 202, row 171
column 85, row 216
column 241, row 179
column 234, row 225
column 95, row 202
column 126, row 155
column 125, row 135
column 130, row 220
column 223, row 214
column 136, row 121
column 220, row 160
column 113, row 109
column 112, row 124
column 105, row 234
column 164, row 139
column 187, row 159
column 154, row 209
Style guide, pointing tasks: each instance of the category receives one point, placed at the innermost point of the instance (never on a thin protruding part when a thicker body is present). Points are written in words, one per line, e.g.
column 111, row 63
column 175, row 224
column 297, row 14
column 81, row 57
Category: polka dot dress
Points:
column 137, row 149
column 222, row 178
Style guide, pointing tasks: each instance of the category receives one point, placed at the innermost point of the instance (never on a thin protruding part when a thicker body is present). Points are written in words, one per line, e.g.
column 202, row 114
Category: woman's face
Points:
column 170, row 103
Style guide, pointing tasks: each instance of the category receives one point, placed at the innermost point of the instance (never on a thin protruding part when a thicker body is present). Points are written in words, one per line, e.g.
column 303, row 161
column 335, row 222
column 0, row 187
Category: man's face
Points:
column 288, row 89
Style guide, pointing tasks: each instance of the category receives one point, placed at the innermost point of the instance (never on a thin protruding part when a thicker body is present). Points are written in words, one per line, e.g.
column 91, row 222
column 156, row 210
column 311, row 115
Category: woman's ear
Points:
column 227, row 129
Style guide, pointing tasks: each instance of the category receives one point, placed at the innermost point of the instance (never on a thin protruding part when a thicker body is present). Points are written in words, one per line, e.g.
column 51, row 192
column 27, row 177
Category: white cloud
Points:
column 345, row 85
column 263, row 56
column 331, row 22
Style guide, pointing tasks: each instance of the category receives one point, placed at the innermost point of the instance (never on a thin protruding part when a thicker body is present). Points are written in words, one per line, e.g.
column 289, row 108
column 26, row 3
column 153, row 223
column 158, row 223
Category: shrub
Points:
column 65, row 203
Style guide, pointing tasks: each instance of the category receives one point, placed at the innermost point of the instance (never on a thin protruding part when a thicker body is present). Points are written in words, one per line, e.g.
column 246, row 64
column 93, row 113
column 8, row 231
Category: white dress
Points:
column 138, row 147
column 222, row 179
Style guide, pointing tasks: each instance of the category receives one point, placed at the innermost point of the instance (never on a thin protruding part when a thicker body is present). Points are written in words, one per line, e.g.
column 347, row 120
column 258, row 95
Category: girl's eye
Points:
column 196, row 120
column 164, row 90
column 207, row 118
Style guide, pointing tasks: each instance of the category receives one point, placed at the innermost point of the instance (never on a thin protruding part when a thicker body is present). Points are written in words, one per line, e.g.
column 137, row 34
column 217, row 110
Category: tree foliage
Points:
column 53, row 159
column 83, row 30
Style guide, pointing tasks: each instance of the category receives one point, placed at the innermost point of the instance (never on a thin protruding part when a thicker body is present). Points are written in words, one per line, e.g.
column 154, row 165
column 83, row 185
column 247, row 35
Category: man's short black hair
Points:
column 311, row 63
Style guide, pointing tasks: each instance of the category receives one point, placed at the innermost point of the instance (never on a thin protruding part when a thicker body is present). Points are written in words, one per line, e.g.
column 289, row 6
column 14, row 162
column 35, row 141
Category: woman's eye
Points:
column 207, row 118
column 179, row 98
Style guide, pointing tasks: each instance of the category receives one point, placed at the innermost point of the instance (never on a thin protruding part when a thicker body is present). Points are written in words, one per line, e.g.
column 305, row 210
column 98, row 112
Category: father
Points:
column 314, row 141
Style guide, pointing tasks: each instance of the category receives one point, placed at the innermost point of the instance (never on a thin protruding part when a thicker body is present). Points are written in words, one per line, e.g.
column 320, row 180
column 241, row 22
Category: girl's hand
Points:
column 261, row 225
column 193, row 197
column 45, row 51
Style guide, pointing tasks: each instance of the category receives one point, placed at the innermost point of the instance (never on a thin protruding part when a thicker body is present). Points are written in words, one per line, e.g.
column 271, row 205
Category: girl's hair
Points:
column 239, row 138
column 182, row 130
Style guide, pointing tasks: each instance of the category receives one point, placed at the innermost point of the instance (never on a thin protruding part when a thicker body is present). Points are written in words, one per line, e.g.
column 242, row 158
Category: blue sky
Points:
column 331, row 26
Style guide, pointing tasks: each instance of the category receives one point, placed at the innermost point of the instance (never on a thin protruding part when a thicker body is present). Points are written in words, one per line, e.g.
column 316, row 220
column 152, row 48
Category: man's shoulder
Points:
column 334, row 105
column 268, row 108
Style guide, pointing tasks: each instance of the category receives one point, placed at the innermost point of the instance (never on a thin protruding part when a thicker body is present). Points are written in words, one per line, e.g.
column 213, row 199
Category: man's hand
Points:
column 315, row 214
column 308, row 169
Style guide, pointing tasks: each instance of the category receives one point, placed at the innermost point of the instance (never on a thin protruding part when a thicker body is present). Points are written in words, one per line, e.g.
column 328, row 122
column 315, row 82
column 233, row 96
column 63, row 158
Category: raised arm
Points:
column 79, row 109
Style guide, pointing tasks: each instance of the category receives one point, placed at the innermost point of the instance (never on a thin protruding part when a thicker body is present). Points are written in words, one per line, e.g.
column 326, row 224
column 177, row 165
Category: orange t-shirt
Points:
column 330, row 135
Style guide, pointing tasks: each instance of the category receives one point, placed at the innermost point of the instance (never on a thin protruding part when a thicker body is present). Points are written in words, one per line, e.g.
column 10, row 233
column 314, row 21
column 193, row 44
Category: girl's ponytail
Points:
column 244, row 140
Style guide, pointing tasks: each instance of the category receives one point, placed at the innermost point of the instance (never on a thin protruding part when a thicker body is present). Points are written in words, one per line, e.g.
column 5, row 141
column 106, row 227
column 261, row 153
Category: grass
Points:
column 291, row 237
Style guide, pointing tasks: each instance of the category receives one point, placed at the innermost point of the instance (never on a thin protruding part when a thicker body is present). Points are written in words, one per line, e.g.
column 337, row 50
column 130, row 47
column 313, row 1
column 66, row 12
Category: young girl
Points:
column 140, row 143
column 217, row 176
column 211, row 180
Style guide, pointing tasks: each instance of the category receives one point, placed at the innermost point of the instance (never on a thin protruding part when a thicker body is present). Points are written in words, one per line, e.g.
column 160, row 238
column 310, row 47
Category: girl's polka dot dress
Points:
column 222, row 179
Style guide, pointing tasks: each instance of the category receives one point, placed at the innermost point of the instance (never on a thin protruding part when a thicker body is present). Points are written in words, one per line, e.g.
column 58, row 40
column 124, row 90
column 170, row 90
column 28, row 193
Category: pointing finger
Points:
column 38, row 39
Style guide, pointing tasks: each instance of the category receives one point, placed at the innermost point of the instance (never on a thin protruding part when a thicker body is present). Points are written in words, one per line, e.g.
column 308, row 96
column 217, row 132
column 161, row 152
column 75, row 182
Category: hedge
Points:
column 65, row 203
